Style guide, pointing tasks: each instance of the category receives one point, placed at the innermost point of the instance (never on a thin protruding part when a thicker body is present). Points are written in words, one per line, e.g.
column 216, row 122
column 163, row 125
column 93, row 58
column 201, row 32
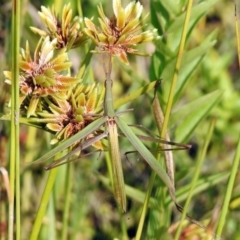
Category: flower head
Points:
column 118, row 35
column 66, row 30
column 42, row 75
column 66, row 117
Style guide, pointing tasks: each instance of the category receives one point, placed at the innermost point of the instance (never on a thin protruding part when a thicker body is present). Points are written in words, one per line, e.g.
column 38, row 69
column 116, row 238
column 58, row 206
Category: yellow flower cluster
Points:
column 66, row 30
column 66, row 117
column 42, row 75
column 120, row 34
column 48, row 93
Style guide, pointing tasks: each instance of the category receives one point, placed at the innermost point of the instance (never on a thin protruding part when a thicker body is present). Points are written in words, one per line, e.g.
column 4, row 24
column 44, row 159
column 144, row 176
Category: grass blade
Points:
column 15, row 144
column 168, row 111
column 80, row 135
column 133, row 95
column 66, row 211
column 181, row 194
column 43, row 204
column 83, row 146
column 228, row 194
column 200, row 108
column 194, row 181
column 177, row 69
column 146, row 154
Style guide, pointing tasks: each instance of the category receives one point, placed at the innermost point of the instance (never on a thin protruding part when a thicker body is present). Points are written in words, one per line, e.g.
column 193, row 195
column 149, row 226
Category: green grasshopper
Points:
column 111, row 122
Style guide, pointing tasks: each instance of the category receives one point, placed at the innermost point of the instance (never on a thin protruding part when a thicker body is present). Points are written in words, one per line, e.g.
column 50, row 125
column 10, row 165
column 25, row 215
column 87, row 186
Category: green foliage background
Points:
column 208, row 87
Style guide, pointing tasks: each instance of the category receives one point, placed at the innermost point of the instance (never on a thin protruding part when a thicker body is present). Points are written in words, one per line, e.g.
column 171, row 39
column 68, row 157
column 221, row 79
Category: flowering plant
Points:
column 120, row 34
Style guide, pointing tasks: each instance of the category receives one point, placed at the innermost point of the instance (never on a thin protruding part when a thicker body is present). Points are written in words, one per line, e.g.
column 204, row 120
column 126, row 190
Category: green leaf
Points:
column 154, row 17
column 203, row 184
column 190, row 115
column 133, row 95
column 233, row 179
column 162, row 48
column 198, row 167
column 80, row 135
column 163, row 233
column 192, row 59
column 149, row 158
column 197, row 11
column 170, row 6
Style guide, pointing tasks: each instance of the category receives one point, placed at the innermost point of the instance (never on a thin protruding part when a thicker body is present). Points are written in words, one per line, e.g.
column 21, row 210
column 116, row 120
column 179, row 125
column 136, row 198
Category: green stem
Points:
column 85, row 62
column 167, row 113
column 67, row 192
column 177, row 69
column 228, row 194
column 123, row 226
column 145, row 206
column 195, row 178
column 43, row 204
column 50, row 231
column 87, row 49
column 111, row 128
column 14, row 153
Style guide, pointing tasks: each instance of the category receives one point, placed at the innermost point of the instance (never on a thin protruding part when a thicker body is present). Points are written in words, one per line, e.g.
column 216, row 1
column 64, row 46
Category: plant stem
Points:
column 67, row 192
column 195, row 178
column 43, row 204
column 228, row 194
column 168, row 111
column 85, row 62
column 111, row 127
column 176, row 70
column 145, row 206
column 14, row 153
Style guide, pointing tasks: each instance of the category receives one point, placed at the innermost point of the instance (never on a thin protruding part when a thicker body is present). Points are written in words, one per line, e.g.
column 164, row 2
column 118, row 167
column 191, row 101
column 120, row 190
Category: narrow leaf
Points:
column 133, row 95
column 150, row 159
column 197, row 11
column 80, row 135
column 194, row 181
column 193, row 113
column 229, row 190
column 181, row 194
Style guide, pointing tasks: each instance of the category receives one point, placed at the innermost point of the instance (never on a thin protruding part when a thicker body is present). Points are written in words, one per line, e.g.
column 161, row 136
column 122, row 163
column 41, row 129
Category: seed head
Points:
column 121, row 33
column 66, row 117
column 66, row 30
column 42, row 75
